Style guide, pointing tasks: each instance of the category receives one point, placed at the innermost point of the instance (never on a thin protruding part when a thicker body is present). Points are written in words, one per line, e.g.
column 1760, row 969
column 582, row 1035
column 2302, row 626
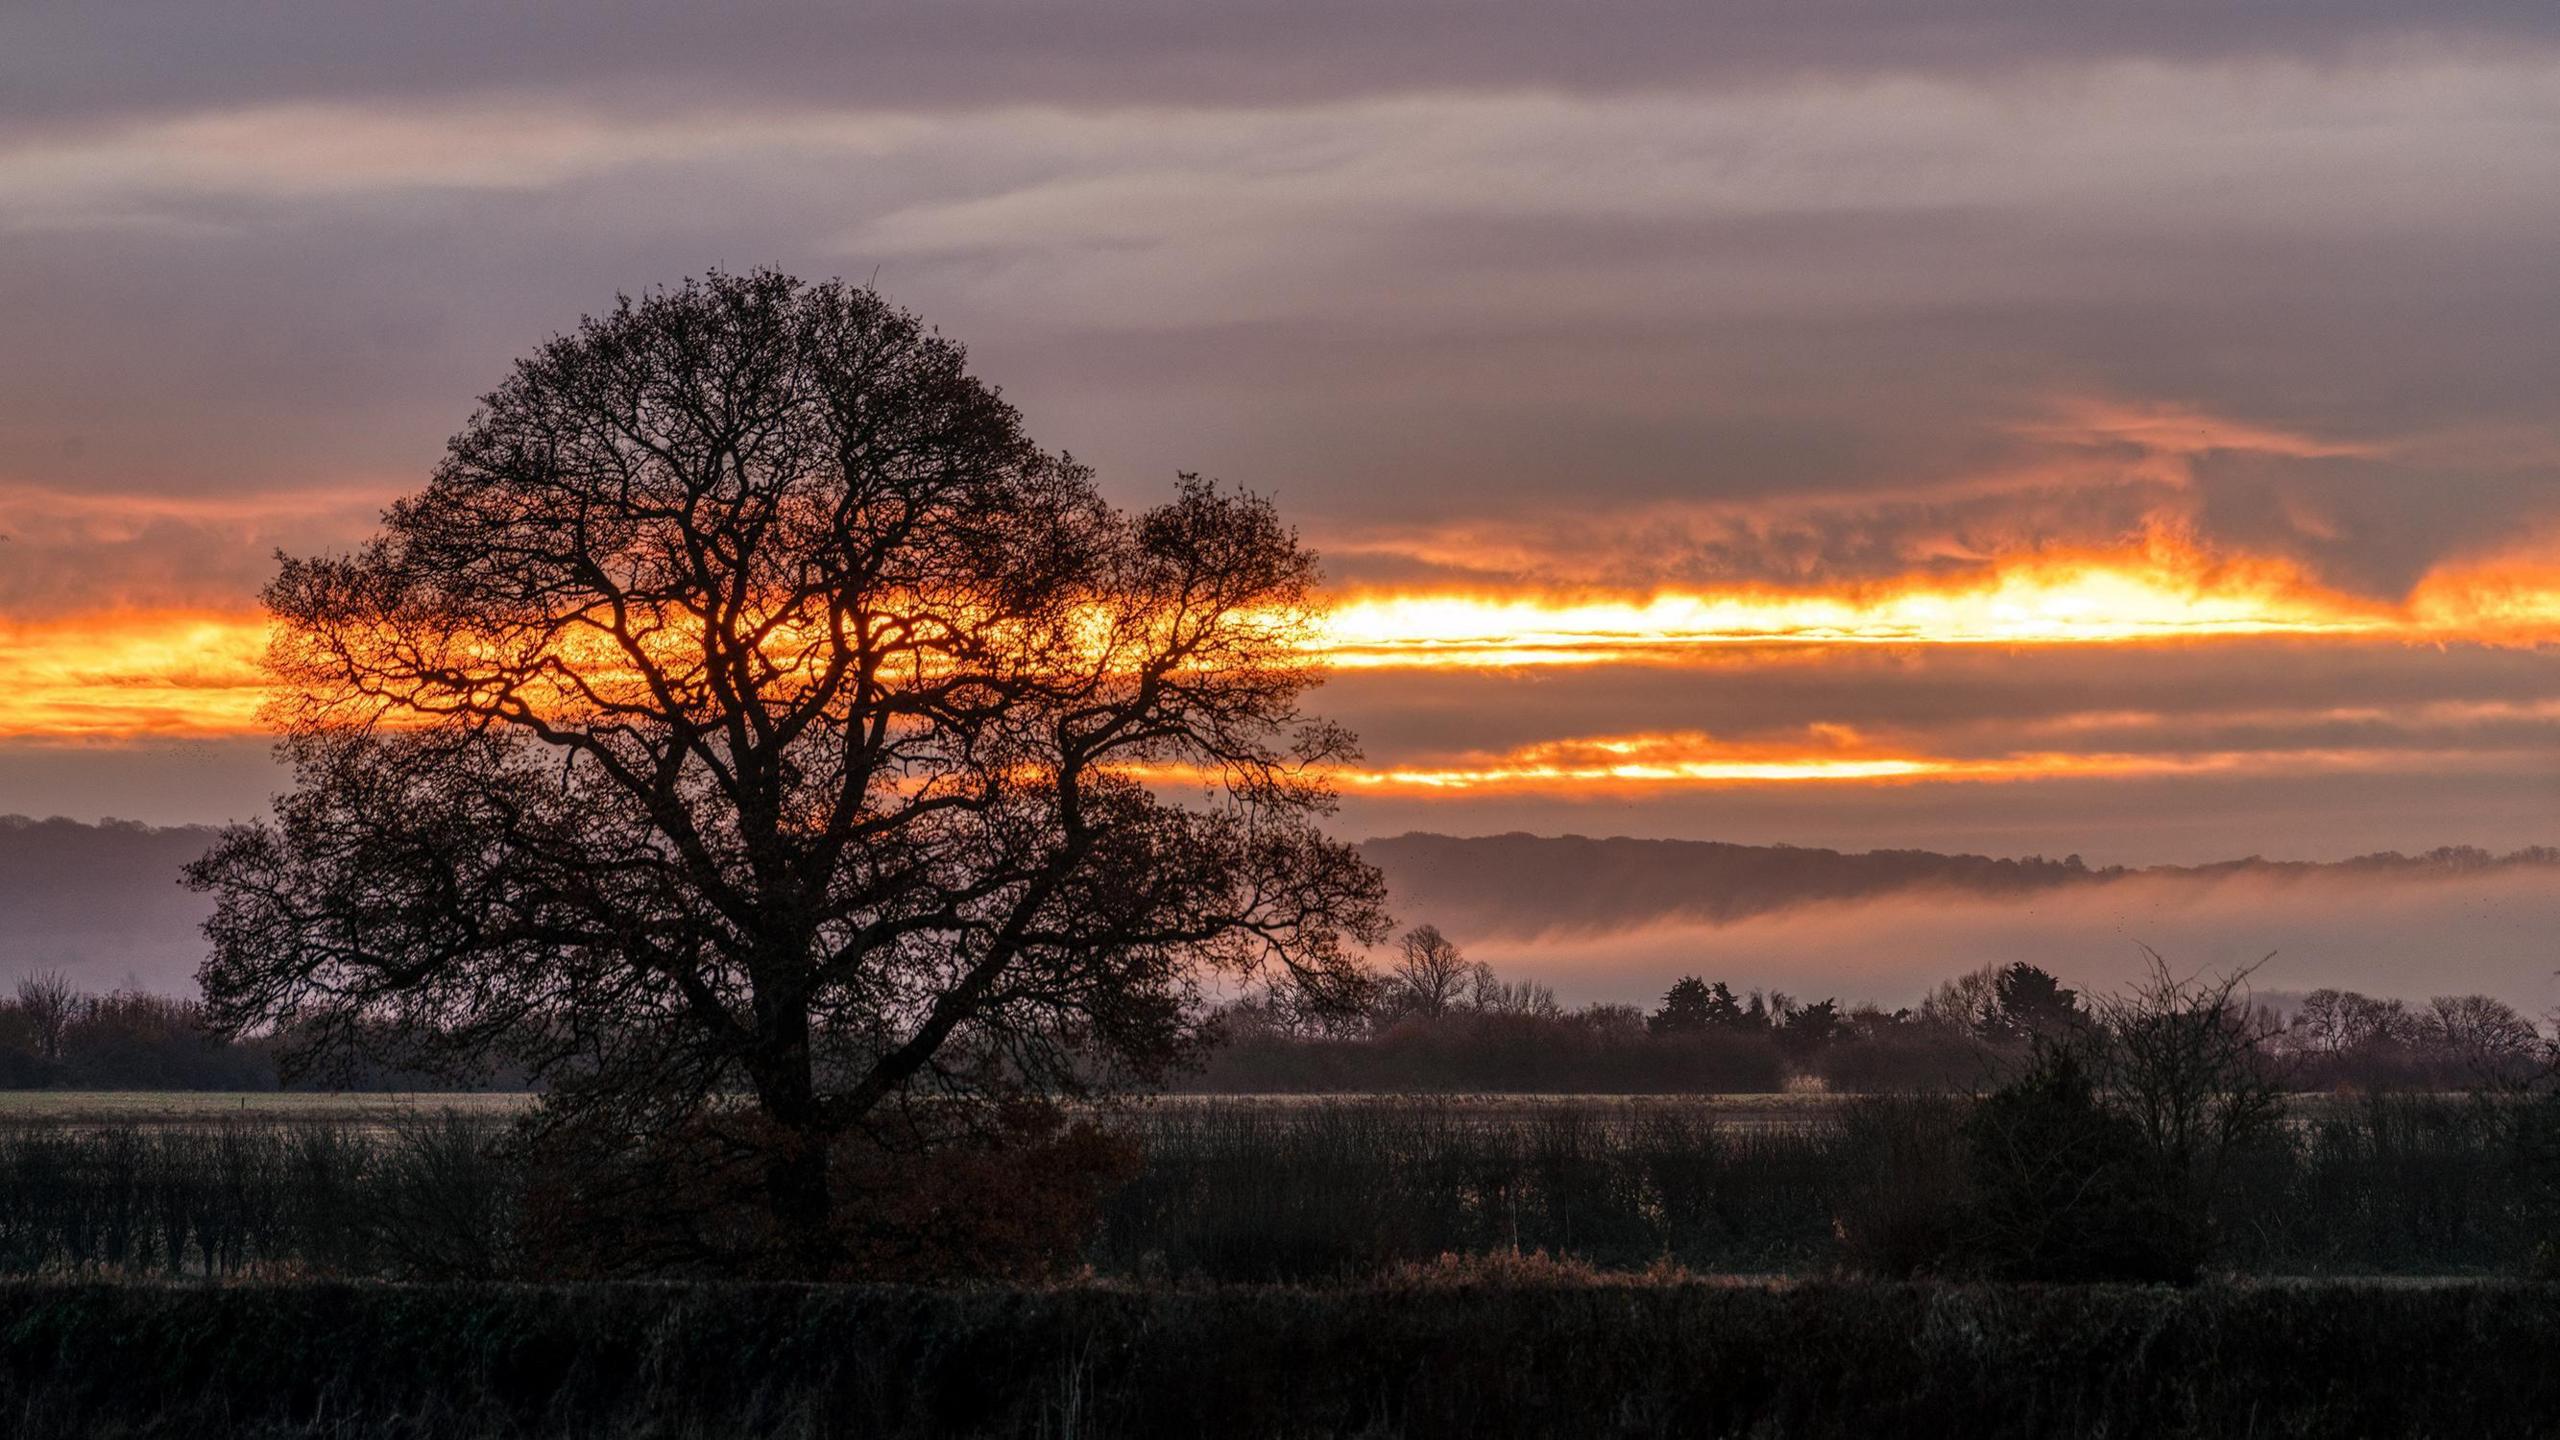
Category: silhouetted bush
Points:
column 1905, row 1203
column 1007, row 1193
column 1473, row 1051
column 2064, row 1188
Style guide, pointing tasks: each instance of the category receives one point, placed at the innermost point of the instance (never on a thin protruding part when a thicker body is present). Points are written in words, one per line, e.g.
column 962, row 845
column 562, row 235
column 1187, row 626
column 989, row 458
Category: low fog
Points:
column 2411, row 937
column 1620, row 919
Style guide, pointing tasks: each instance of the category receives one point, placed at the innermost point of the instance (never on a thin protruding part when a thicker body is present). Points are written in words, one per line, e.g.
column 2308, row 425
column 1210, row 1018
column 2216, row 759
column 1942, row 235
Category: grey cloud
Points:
column 1382, row 310
column 1961, row 699
column 2188, row 820
column 1798, row 274
column 67, row 58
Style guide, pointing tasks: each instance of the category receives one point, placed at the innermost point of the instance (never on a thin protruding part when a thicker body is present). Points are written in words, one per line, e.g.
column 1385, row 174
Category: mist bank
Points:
column 1617, row 919
column 1613, row 919
column 2402, row 936
column 1536, row 885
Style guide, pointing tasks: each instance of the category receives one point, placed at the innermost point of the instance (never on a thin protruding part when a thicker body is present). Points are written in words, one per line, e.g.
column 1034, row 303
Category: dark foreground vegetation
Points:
column 2152, row 1135
column 1449, row 1350
column 1347, row 1191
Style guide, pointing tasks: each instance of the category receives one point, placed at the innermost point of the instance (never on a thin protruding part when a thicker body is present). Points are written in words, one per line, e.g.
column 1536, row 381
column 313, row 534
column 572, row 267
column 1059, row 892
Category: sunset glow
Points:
column 2104, row 601
column 1975, row 428
column 1617, row 764
column 178, row 673
column 132, row 676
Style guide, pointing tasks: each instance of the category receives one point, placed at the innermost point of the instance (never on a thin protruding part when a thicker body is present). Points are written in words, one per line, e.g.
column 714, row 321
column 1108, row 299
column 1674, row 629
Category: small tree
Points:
column 2065, row 1187
column 2188, row 1060
column 1962, row 1002
column 1431, row 975
column 2027, row 1001
column 48, row 1000
column 1492, row 995
column 1804, row 1029
column 2481, row 1035
column 1692, row 1006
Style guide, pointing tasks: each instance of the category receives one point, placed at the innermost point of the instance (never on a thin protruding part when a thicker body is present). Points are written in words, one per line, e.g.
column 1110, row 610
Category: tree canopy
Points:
column 747, row 705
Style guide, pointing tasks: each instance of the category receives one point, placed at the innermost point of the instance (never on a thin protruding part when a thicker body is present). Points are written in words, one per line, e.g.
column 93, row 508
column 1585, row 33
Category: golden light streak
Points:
column 1683, row 759
column 2048, row 602
column 130, row 674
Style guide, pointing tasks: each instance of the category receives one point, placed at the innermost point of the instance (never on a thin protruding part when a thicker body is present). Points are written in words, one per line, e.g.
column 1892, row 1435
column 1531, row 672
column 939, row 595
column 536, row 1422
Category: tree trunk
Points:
column 796, row 1174
column 797, row 1191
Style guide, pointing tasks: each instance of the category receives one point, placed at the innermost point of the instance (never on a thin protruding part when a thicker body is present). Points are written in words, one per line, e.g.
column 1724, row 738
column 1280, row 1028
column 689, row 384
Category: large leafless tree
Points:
column 746, row 707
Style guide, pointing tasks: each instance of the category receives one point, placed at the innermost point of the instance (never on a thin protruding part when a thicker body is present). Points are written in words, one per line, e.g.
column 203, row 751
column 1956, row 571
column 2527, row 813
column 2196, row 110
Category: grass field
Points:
column 215, row 1107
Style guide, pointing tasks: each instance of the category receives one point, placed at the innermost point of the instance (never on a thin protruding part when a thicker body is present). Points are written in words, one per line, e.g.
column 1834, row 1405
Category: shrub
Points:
column 2064, row 1187
column 1903, row 1208
column 1009, row 1193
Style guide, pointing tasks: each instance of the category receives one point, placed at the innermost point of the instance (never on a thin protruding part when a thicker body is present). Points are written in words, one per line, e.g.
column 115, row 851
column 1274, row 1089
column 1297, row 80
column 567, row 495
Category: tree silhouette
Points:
column 746, row 706
column 1692, row 1006
column 2028, row 1002
column 1431, row 973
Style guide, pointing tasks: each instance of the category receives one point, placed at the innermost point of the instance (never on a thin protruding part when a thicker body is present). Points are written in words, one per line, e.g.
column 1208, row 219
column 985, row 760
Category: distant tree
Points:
column 1687, row 1007
column 747, row 705
column 1285, row 1010
column 48, row 1000
column 1612, row 1024
column 1692, row 1005
column 2027, row 1001
column 1755, row 1015
column 1804, row 1029
column 2342, row 1022
column 2480, row 1034
column 1964, row 1002
column 1492, row 995
column 1431, row 974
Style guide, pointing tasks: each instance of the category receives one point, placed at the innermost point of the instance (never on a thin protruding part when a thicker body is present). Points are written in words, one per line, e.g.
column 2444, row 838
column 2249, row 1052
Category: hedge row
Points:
column 1471, row 1357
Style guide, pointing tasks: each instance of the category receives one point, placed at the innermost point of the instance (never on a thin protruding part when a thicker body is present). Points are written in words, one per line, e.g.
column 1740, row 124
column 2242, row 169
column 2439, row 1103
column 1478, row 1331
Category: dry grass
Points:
column 213, row 1107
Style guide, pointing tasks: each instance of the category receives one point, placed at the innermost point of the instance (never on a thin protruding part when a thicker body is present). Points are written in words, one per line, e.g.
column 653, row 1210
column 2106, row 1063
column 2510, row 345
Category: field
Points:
column 164, row 1108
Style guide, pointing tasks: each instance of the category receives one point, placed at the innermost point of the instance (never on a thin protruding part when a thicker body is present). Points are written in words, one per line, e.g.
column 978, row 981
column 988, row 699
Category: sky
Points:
column 1963, row 424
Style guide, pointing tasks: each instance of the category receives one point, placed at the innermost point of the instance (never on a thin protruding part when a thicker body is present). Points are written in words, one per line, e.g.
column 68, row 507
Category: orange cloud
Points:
column 2510, row 598
column 190, row 672
column 132, row 675
column 2179, row 432
column 1616, row 764
column 2170, row 590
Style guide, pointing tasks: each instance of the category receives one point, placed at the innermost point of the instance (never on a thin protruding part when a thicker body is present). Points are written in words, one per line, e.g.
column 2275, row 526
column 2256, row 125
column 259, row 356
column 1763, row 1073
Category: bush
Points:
column 2064, row 1187
column 1905, row 1204
column 1010, row 1192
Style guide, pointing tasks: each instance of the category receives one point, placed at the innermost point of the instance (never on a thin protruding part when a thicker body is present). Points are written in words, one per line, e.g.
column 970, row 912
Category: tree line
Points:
column 55, row 1035
column 1435, row 1021
column 1432, row 1021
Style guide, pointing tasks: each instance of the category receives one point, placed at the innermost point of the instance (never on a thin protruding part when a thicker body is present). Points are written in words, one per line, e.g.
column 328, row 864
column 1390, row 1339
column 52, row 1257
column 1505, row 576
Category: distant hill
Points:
column 1521, row 884
column 100, row 902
